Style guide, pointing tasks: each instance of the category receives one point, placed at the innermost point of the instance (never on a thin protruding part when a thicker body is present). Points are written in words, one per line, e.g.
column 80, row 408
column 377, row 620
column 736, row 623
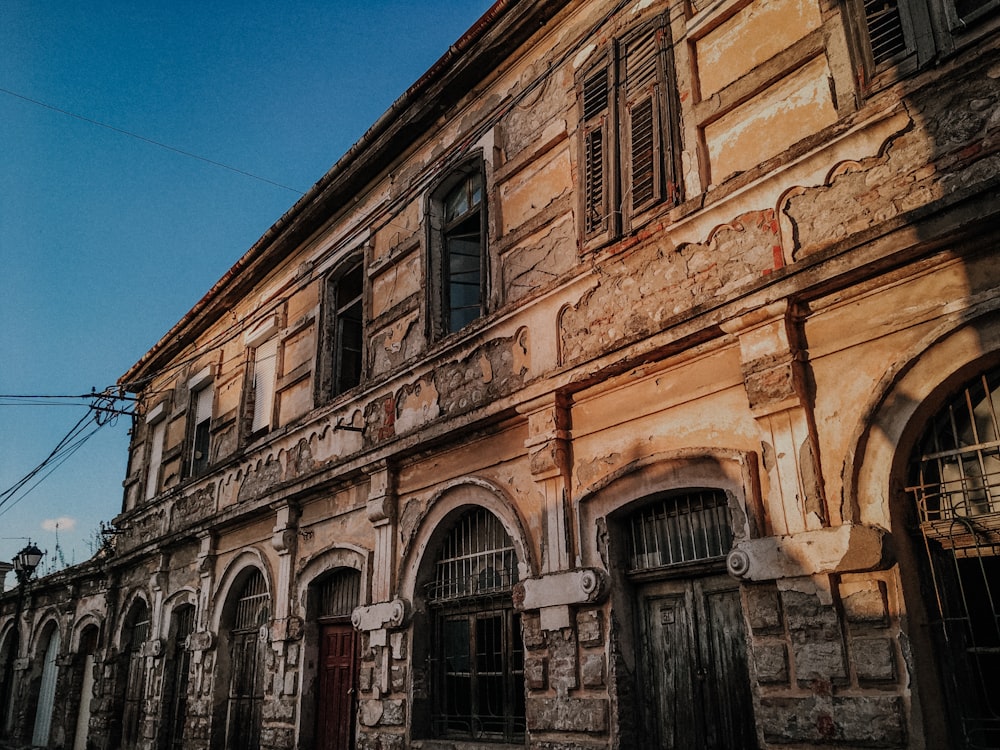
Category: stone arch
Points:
column 83, row 623
column 906, row 396
column 318, row 632
column 733, row 471
column 876, row 472
column 233, row 576
column 450, row 500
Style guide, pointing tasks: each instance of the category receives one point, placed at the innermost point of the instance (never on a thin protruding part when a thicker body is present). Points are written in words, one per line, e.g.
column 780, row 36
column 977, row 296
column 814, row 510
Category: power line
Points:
column 150, row 141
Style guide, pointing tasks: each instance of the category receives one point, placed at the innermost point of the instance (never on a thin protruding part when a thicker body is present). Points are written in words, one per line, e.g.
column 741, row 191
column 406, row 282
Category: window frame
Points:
column 263, row 386
column 202, row 399
column 330, row 382
column 156, row 435
column 439, row 302
column 610, row 127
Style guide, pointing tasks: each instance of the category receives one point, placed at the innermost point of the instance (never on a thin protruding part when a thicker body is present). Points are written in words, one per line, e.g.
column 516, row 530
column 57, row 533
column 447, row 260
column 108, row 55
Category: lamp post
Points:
column 26, row 561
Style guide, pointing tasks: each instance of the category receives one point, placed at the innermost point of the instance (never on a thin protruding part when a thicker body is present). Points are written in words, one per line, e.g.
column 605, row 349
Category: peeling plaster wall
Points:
column 750, row 338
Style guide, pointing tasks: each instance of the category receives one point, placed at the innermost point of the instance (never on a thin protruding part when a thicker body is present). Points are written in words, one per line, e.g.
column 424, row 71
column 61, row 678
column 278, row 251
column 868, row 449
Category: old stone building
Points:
column 632, row 383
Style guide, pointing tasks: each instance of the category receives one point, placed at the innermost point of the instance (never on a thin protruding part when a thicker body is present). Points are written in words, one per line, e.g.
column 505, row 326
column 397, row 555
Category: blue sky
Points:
column 107, row 240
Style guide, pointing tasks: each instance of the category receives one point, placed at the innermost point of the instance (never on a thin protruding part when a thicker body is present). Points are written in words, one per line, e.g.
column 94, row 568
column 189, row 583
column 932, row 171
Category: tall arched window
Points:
column 955, row 472
column 249, row 616
column 175, row 679
column 132, row 688
column 85, row 681
column 457, row 250
column 46, row 691
column 8, row 652
column 476, row 648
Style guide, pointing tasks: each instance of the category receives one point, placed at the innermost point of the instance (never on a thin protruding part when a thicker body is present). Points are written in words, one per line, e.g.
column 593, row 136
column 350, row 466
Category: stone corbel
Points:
column 381, row 616
column 381, row 506
column 153, row 647
column 553, row 595
column 203, row 640
column 838, row 549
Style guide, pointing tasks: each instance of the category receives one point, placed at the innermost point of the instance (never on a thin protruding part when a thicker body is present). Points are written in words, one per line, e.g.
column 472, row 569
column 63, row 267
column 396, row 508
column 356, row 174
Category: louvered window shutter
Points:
column 643, row 127
column 596, row 178
column 264, row 371
column 885, row 31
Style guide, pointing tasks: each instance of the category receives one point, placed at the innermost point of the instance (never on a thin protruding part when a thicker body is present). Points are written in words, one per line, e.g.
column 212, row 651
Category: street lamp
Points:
column 26, row 561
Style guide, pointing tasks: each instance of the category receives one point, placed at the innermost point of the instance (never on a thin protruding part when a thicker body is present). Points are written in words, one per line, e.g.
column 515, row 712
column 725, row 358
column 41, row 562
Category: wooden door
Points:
column 337, row 674
column 696, row 685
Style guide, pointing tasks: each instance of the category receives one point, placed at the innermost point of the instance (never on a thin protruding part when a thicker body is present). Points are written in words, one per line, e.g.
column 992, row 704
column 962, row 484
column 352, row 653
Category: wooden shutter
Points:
column 596, row 97
column 159, row 431
column 642, row 120
column 265, row 369
column 885, row 31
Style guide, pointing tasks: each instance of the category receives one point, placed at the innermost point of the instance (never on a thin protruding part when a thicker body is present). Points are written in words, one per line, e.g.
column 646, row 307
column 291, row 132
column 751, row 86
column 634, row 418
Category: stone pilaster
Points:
column 775, row 378
column 549, row 455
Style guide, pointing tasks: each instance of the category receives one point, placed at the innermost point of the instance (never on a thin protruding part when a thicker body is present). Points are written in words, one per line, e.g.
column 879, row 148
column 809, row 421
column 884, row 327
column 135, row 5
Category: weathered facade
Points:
column 632, row 383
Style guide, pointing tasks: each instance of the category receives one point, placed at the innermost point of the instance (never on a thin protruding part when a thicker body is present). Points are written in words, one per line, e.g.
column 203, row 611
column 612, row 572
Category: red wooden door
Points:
column 337, row 672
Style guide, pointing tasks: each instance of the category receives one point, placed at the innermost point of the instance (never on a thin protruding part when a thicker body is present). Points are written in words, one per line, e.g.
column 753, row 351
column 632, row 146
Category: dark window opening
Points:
column 956, row 491
column 679, row 529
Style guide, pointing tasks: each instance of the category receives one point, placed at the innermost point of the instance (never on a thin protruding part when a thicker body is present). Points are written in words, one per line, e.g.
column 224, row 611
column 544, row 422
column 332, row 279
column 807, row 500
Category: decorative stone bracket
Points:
column 553, row 594
column 153, row 647
column 376, row 619
column 203, row 640
column 838, row 549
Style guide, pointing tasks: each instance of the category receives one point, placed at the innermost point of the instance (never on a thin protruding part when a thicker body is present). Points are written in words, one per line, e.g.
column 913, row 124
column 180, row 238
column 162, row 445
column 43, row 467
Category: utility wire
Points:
column 150, row 141
column 102, row 410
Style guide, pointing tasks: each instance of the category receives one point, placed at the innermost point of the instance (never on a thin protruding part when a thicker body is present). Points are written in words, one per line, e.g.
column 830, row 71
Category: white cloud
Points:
column 63, row 523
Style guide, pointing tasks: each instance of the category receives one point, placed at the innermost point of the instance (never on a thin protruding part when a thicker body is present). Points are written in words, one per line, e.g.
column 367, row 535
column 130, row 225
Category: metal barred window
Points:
column 477, row 653
column 251, row 608
column 956, row 493
column 679, row 529
column 339, row 593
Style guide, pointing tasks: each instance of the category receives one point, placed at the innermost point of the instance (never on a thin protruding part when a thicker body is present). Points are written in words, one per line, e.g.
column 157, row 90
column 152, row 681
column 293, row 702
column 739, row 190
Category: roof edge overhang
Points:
column 476, row 54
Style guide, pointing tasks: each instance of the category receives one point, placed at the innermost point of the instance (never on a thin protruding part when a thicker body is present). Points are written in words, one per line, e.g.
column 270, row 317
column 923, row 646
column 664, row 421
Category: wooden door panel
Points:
column 695, row 688
column 335, row 700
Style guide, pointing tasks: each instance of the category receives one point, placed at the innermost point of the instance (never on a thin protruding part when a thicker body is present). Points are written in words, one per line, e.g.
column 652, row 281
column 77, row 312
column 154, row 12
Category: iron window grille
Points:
column 477, row 653
column 338, row 594
column 679, row 529
column 956, row 493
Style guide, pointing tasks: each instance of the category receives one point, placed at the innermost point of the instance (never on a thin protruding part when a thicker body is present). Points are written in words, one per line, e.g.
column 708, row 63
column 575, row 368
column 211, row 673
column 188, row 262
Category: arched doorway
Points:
column 334, row 598
column 8, row 682
column 692, row 680
column 954, row 496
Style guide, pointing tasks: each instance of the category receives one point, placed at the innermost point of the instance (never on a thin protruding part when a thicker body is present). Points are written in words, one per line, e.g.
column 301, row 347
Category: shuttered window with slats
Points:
column 630, row 142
